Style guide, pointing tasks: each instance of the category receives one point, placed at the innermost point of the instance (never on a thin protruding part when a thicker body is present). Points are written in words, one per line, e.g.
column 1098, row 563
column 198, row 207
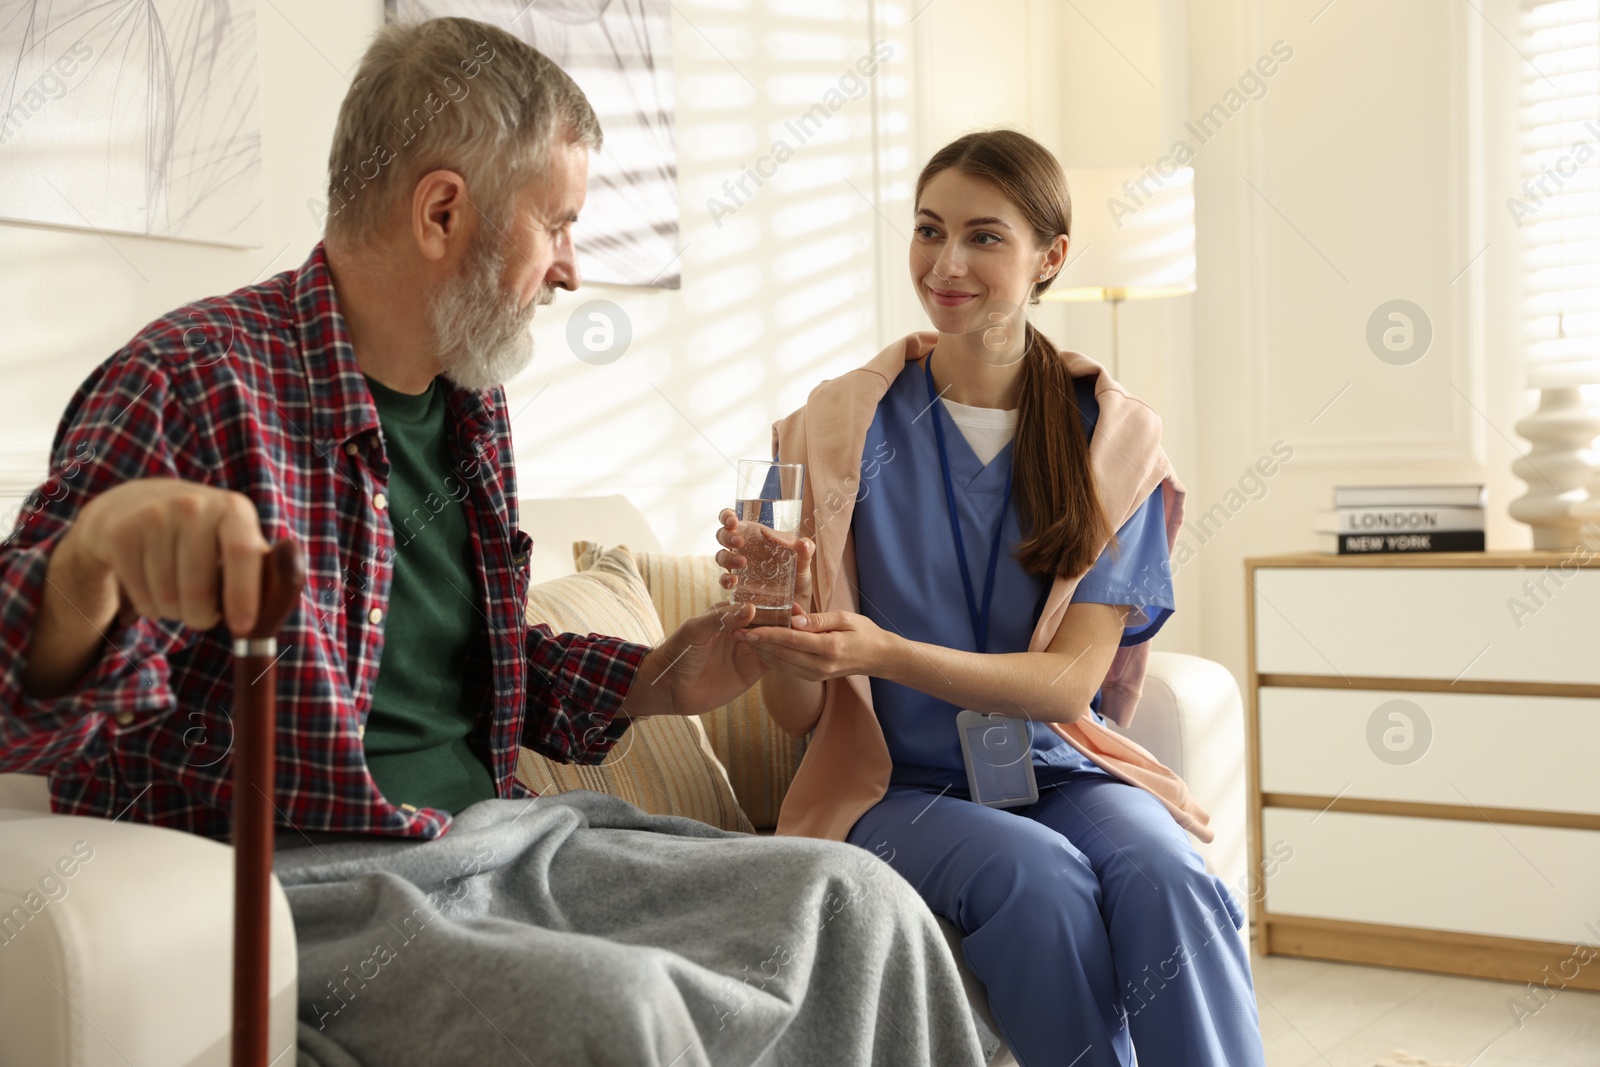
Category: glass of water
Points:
column 767, row 502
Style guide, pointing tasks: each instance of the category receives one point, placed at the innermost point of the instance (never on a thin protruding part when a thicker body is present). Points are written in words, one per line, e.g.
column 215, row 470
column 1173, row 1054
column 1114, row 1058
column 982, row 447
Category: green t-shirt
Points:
column 416, row 733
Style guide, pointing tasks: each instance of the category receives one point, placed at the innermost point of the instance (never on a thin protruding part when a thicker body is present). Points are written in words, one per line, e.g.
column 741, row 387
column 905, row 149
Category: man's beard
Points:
column 482, row 337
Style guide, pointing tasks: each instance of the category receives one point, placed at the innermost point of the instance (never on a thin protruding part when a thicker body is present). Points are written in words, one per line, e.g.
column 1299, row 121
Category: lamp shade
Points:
column 1132, row 235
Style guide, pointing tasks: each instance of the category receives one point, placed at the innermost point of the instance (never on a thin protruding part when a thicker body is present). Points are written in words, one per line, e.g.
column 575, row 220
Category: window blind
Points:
column 1557, row 208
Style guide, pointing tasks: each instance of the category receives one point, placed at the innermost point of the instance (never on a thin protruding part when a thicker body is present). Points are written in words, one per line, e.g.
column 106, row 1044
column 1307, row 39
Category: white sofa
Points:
column 130, row 963
column 133, row 965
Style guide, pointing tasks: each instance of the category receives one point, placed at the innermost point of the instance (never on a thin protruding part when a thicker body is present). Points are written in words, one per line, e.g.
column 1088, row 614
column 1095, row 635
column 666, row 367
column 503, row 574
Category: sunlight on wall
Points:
column 778, row 256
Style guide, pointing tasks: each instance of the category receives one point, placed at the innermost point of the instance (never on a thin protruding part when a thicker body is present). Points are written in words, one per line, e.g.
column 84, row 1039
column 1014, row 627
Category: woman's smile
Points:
column 950, row 297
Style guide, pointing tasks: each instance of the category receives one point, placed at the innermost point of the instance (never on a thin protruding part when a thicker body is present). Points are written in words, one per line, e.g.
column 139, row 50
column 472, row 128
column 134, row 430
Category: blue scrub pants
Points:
column 1088, row 916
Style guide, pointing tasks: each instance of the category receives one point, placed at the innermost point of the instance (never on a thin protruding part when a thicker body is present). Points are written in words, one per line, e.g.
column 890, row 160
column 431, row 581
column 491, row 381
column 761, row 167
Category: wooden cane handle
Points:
column 283, row 576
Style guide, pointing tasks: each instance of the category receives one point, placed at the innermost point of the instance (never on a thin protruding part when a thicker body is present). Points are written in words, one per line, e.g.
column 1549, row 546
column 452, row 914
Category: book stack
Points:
column 1385, row 519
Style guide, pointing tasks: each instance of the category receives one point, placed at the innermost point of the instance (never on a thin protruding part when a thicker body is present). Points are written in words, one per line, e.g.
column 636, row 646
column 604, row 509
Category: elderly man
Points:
column 443, row 913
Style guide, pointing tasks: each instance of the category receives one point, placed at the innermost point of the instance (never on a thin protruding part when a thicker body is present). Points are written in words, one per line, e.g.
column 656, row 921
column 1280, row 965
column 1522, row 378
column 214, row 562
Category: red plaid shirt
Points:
column 259, row 391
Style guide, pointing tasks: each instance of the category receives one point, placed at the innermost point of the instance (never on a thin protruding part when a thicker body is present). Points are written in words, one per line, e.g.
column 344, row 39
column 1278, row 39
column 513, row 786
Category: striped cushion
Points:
column 663, row 764
column 760, row 757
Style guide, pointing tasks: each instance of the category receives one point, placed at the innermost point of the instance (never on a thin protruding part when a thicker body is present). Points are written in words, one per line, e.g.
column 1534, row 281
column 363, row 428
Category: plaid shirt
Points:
column 259, row 391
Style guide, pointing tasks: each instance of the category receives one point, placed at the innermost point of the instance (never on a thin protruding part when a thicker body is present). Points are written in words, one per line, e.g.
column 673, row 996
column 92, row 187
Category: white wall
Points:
column 1375, row 167
column 70, row 298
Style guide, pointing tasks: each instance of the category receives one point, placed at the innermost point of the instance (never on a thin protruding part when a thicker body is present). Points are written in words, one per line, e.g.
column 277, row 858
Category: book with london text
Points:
column 1411, row 519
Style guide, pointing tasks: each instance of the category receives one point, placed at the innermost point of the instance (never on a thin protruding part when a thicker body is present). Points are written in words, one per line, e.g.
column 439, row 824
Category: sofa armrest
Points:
column 1191, row 718
column 116, row 946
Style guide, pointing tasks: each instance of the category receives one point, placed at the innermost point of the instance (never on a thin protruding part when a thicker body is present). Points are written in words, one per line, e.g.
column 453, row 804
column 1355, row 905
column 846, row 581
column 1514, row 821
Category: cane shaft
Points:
column 253, row 685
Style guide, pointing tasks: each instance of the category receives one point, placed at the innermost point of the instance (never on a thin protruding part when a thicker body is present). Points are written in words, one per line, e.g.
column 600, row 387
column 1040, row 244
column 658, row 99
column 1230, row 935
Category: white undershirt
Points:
column 986, row 429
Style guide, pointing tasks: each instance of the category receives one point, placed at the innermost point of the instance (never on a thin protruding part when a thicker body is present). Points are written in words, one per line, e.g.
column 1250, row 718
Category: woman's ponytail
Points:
column 1063, row 522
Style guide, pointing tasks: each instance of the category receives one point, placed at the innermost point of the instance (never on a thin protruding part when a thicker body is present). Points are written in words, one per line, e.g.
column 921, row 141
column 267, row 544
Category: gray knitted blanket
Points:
column 576, row 929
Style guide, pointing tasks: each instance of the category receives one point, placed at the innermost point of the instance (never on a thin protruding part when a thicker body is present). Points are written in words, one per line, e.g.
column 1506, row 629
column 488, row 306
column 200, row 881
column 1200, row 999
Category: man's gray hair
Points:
column 448, row 94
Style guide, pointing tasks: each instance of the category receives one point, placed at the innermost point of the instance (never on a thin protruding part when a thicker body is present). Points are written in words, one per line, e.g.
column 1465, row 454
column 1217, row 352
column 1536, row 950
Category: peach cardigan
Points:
column 846, row 766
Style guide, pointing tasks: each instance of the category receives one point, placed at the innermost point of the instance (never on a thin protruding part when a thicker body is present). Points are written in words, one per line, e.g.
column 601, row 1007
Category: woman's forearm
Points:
column 1053, row 685
column 794, row 702
column 1043, row 686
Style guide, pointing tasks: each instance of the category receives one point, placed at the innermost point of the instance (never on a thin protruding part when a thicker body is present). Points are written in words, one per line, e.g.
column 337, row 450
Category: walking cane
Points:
column 283, row 575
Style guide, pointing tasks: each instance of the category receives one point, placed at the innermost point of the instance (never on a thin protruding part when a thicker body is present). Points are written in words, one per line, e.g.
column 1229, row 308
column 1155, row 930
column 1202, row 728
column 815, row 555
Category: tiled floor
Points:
column 1316, row 1014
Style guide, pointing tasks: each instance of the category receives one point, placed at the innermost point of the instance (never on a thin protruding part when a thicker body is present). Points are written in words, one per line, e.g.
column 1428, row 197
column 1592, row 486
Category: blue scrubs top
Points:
column 909, row 582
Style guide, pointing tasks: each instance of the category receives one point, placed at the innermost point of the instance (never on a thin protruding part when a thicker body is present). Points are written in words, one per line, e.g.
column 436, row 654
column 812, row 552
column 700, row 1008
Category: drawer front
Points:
column 1491, row 751
column 1466, row 623
column 1504, row 881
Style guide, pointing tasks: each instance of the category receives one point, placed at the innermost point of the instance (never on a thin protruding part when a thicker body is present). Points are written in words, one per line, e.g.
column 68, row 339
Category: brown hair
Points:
column 1064, row 524
column 447, row 93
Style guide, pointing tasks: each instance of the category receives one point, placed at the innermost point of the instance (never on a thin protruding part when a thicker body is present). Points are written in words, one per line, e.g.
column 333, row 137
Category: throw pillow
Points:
column 663, row 764
column 761, row 759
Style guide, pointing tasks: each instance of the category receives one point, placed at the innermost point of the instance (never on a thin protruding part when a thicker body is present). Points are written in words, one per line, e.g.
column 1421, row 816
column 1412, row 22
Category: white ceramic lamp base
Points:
column 1559, row 468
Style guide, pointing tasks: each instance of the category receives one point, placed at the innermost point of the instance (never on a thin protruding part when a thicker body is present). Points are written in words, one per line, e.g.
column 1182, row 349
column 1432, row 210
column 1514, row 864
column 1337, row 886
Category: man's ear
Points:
column 439, row 214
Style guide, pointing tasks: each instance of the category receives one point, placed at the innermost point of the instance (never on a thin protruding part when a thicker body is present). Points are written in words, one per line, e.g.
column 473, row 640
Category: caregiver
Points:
column 1087, row 913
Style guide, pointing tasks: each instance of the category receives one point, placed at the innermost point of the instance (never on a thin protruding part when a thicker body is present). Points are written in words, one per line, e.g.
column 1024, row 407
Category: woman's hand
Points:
column 824, row 645
column 729, row 558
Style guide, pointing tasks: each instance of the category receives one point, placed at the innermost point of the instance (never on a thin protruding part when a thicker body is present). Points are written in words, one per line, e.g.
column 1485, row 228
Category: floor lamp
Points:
column 1132, row 238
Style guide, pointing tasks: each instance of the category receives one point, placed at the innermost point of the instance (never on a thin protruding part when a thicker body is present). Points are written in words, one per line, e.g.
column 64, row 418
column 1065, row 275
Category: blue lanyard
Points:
column 979, row 620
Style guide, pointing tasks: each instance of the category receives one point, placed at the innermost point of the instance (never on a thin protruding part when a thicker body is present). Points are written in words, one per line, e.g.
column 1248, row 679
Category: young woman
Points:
column 962, row 493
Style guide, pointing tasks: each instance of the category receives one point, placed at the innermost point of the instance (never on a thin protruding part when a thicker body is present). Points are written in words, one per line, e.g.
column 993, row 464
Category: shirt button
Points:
column 361, row 730
column 375, row 616
column 124, row 718
column 350, row 448
column 408, row 807
column 380, row 501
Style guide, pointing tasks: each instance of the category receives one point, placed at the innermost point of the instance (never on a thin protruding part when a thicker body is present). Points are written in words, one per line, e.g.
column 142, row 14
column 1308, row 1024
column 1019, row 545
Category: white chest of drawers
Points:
column 1425, row 761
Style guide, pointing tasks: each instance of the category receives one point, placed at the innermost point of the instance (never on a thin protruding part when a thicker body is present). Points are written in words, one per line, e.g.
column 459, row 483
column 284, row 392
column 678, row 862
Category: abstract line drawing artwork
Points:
column 132, row 116
column 620, row 54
